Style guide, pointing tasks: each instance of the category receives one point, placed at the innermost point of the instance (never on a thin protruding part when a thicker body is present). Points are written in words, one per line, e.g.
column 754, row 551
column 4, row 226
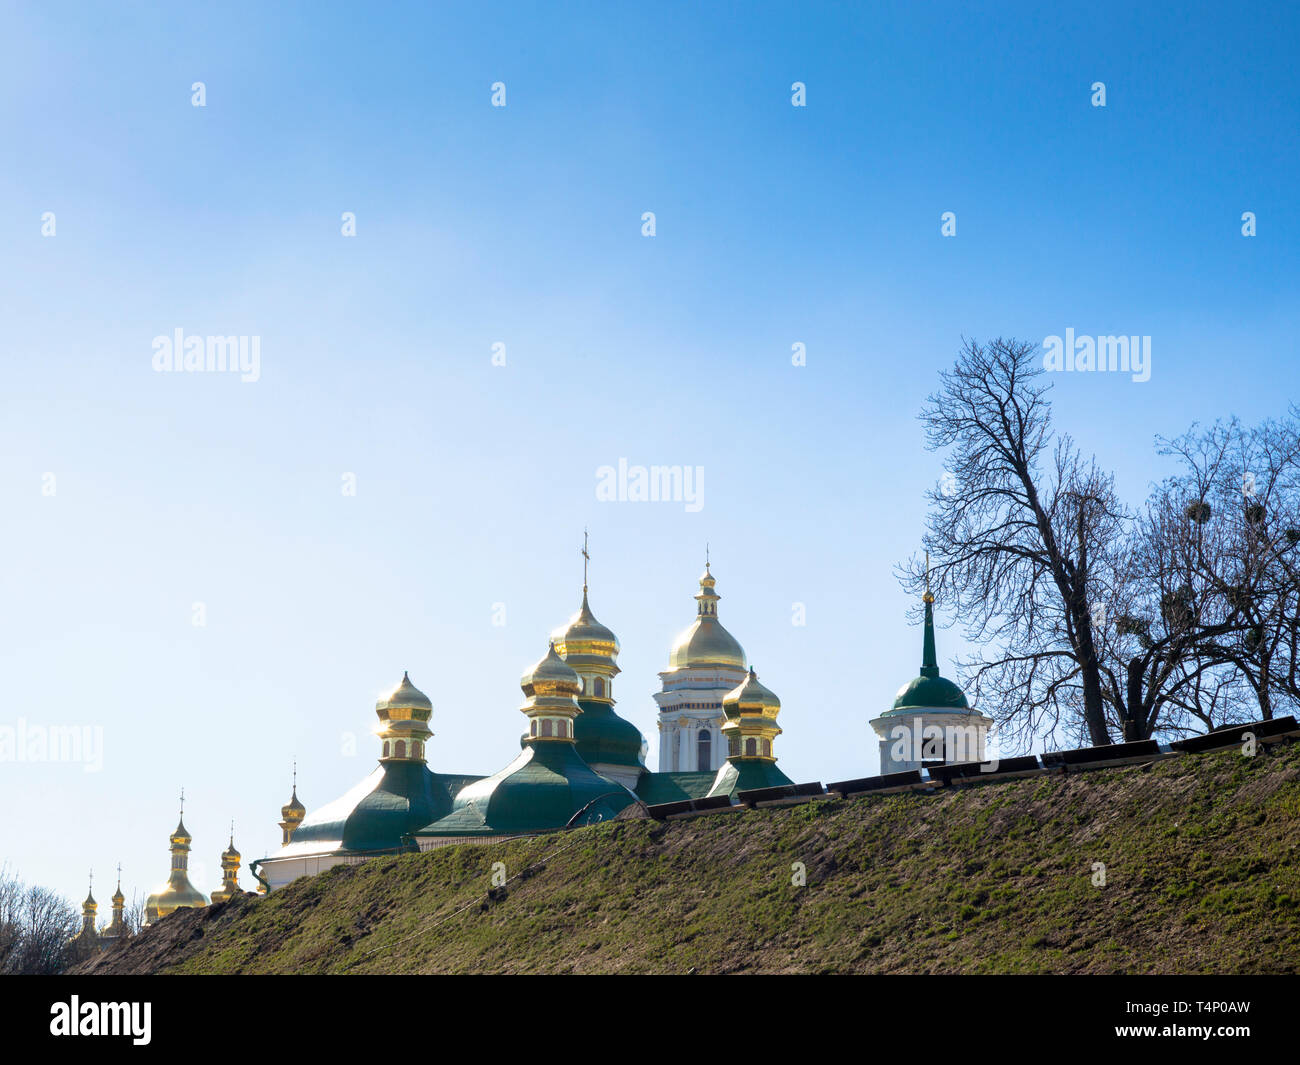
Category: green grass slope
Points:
column 1201, row 866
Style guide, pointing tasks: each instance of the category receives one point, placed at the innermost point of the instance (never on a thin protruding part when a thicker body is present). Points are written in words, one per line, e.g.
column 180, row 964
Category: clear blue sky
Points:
column 522, row 225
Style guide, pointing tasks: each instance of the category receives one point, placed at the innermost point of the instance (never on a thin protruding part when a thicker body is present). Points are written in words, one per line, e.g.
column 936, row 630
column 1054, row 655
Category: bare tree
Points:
column 1239, row 493
column 133, row 914
column 36, row 928
column 1096, row 620
column 1021, row 529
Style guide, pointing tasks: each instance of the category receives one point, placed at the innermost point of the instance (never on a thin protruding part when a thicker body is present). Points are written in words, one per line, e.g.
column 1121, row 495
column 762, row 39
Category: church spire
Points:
column 88, row 910
column 178, row 892
column 291, row 813
column 229, row 872
column 707, row 598
column 117, row 929
column 929, row 658
column 586, row 558
column 588, row 646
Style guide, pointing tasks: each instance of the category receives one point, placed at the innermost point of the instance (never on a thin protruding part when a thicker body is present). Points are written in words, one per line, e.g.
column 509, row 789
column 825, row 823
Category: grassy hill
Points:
column 1202, row 857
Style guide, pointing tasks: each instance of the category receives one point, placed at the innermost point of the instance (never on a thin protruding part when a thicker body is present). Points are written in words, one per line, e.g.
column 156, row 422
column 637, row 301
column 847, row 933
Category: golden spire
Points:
column 117, row 928
column 229, row 872
column 927, row 598
column 586, row 557
column 291, row 813
column 177, row 893
column 88, row 910
column 588, row 646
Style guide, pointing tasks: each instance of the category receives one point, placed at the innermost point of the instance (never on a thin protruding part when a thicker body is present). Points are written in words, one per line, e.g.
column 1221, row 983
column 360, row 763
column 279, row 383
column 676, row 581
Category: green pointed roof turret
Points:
column 930, row 691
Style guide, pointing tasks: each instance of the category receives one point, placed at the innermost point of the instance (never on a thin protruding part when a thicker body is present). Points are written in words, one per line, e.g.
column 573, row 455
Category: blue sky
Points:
column 521, row 225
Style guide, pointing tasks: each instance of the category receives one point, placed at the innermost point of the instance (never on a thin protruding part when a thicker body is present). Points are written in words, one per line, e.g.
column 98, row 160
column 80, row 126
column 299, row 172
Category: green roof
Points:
column 603, row 736
column 393, row 801
column 539, row 791
column 655, row 788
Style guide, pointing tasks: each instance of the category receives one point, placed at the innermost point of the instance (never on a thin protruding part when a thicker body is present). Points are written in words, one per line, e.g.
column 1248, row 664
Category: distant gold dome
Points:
column 177, row 893
column 706, row 642
column 294, row 810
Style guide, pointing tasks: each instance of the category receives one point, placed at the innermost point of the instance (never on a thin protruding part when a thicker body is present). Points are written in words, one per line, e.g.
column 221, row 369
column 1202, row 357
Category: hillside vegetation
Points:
column 1202, row 871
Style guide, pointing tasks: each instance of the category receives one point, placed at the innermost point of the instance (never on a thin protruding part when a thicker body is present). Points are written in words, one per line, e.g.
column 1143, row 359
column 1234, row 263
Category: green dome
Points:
column 393, row 801
column 545, row 788
column 930, row 692
column 605, row 738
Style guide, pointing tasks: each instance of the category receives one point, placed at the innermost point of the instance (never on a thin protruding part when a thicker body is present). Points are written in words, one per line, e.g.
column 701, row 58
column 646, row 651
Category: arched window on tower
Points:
column 400, row 750
column 600, row 687
column 704, row 750
column 417, row 749
column 751, row 747
column 385, row 748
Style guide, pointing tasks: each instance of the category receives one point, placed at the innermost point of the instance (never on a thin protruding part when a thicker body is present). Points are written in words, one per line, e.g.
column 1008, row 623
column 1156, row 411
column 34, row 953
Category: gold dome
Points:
column 706, row 642
column 750, row 697
column 406, row 696
column 551, row 676
column 584, row 635
column 177, row 894
column 294, row 810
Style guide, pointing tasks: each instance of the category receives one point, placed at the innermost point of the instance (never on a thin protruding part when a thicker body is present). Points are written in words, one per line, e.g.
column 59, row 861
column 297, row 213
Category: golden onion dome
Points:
column 177, row 893
column 230, row 851
column 295, row 810
column 118, row 897
column 181, row 835
column 551, row 675
column 706, row 642
column 584, row 635
column 406, row 696
column 90, row 902
column 750, row 697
